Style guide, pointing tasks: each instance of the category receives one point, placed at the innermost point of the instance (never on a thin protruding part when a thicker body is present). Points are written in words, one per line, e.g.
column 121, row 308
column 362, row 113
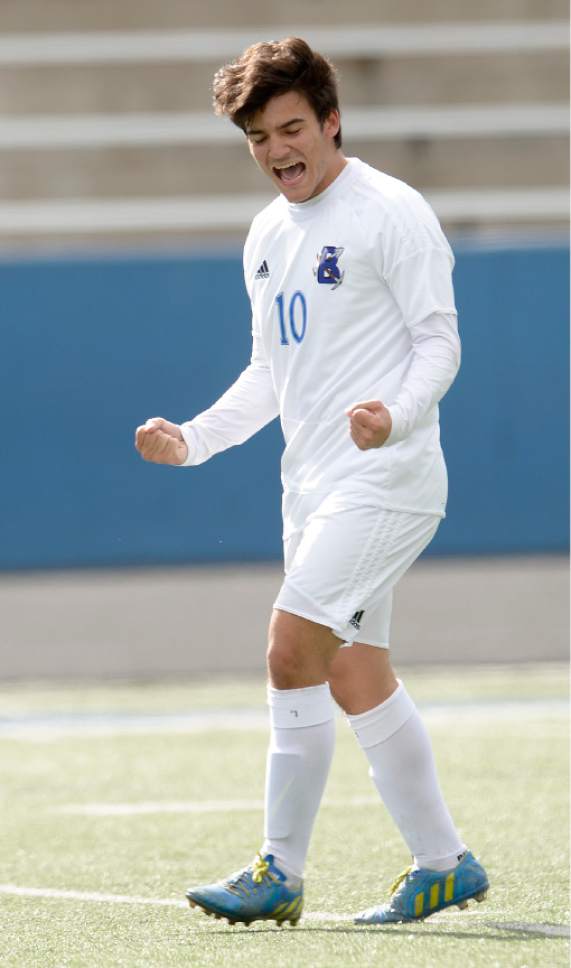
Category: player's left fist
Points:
column 161, row 441
column 370, row 424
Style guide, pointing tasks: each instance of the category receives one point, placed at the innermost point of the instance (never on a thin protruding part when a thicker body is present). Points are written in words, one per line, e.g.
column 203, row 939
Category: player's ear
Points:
column 332, row 123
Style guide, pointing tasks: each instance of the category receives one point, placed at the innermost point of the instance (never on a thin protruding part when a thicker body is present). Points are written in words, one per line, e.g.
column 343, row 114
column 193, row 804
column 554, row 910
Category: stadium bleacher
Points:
column 106, row 134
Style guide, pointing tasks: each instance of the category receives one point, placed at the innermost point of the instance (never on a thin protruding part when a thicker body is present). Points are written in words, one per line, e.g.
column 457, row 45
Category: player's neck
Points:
column 338, row 163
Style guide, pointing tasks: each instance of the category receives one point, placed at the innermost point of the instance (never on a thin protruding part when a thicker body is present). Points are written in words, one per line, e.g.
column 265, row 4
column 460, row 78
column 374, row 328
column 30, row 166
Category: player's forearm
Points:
column 435, row 363
column 247, row 406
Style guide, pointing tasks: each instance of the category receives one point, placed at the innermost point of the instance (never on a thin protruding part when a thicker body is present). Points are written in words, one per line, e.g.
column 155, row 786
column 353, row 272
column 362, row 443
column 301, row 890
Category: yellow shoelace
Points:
column 396, row 884
column 260, row 869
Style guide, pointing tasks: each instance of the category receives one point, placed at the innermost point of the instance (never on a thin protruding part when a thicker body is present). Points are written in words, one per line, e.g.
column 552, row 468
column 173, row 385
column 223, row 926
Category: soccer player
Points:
column 355, row 341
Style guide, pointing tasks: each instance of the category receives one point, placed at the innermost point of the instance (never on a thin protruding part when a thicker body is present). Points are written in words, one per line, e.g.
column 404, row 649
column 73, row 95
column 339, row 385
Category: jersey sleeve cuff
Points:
column 398, row 428
column 188, row 435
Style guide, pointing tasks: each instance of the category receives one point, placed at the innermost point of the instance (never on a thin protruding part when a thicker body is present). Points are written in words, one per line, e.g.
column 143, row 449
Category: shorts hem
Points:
column 336, row 632
column 310, row 617
column 363, row 641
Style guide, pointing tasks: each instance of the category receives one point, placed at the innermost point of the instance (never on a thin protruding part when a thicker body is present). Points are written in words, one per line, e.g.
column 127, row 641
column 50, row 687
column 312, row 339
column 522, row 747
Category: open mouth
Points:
column 290, row 174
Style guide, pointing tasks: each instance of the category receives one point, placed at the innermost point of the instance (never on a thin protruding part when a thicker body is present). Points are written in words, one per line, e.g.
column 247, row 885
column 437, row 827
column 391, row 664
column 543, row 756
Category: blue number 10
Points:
column 294, row 313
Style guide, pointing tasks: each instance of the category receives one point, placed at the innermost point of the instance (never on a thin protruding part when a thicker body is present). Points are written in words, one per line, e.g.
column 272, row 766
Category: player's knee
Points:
column 361, row 678
column 341, row 687
column 289, row 654
column 285, row 663
column 348, row 695
column 300, row 652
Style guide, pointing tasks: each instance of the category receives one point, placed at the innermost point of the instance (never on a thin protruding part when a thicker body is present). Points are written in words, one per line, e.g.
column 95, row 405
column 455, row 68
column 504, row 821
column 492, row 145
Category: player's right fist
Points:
column 161, row 442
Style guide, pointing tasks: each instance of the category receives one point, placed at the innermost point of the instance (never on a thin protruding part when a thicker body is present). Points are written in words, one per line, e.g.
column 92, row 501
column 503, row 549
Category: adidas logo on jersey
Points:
column 263, row 272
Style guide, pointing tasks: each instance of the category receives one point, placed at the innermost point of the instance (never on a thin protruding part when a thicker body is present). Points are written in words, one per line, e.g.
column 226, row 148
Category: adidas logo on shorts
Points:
column 356, row 620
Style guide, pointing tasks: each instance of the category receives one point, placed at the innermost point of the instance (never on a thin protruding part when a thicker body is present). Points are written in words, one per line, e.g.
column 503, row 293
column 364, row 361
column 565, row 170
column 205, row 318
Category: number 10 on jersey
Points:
column 297, row 317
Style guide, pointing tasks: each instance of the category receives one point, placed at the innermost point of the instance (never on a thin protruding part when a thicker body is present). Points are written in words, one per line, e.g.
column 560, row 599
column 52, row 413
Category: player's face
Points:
column 290, row 145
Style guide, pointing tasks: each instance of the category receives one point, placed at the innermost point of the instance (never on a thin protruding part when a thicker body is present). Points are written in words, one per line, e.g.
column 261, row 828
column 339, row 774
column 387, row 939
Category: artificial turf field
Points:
column 117, row 797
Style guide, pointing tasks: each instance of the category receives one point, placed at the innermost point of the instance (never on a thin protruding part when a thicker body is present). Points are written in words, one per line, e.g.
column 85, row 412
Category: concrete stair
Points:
column 197, row 169
column 467, row 79
column 397, row 78
column 63, row 15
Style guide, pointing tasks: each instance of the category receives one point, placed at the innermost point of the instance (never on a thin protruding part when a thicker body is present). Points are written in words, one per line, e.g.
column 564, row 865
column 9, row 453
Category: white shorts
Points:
column 343, row 559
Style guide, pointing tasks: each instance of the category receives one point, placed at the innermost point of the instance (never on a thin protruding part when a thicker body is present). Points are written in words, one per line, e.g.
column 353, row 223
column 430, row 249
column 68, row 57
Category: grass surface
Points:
column 500, row 738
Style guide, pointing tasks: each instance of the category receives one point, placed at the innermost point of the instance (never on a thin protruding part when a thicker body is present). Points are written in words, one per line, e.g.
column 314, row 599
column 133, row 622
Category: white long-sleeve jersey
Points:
column 352, row 300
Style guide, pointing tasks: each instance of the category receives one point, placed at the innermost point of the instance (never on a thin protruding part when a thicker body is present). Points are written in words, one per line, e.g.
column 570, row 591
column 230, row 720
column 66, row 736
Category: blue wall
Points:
column 91, row 348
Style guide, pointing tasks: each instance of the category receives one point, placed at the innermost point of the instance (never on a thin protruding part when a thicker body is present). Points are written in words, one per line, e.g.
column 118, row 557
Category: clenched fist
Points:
column 370, row 424
column 161, row 442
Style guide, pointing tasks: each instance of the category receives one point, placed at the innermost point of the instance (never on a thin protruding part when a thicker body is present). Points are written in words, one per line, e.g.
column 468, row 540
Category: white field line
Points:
column 549, row 930
column 192, row 806
column 47, row 892
column 41, row 727
column 363, row 40
column 92, row 726
column 235, row 212
column 200, row 128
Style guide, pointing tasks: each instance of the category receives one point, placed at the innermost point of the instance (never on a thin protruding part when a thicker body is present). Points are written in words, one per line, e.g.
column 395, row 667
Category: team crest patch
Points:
column 326, row 268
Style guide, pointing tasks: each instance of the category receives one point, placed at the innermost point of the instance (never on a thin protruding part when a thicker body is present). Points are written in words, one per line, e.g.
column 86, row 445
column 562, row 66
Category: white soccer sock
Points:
column 299, row 757
column 398, row 748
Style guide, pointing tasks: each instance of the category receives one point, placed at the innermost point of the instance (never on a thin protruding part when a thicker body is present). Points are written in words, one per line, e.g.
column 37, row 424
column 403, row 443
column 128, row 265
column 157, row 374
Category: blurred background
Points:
column 123, row 208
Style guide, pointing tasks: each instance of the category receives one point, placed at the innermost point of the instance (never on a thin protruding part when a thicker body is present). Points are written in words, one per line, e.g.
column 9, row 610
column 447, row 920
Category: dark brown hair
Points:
column 272, row 68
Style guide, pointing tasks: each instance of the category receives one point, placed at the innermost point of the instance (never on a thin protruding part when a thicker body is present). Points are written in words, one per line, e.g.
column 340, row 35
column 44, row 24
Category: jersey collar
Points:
column 302, row 210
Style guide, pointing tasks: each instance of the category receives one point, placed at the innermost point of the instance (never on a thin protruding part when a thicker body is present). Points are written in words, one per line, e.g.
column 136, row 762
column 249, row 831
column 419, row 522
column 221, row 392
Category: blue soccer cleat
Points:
column 418, row 892
column 260, row 892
